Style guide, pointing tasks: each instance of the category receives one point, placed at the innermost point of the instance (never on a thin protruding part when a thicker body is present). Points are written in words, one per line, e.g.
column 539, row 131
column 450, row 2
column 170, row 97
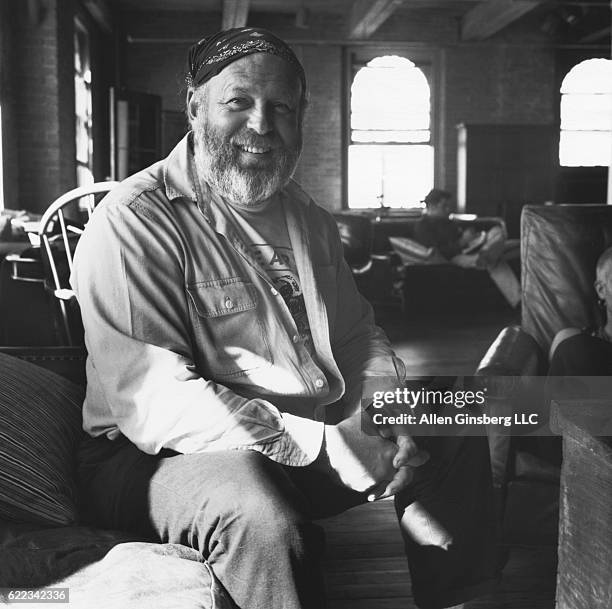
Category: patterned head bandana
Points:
column 211, row 55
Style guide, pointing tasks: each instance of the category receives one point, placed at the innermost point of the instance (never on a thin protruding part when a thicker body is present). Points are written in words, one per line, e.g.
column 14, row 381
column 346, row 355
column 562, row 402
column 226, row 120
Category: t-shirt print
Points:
column 279, row 263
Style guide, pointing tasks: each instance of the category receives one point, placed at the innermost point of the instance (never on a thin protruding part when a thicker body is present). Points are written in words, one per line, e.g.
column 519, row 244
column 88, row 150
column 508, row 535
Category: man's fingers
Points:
column 419, row 459
column 403, row 477
column 406, row 450
column 377, row 491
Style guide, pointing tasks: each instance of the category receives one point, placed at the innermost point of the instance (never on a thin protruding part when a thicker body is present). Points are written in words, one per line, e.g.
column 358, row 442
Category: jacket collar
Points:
column 179, row 172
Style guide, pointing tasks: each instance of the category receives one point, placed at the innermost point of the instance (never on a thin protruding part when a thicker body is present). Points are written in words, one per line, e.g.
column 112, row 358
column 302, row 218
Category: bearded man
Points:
column 228, row 349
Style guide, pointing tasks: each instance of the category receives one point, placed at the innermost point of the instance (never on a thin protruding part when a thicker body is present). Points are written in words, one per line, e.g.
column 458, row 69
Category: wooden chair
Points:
column 60, row 229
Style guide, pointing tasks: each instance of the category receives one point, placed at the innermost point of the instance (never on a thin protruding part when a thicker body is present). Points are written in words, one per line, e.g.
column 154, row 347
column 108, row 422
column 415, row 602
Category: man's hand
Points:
column 361, row 461
column 369, row 462
column 407, row 457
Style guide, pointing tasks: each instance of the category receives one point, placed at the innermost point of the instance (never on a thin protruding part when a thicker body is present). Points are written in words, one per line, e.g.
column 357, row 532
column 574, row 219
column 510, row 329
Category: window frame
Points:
column 428, row 61
column 81, row 28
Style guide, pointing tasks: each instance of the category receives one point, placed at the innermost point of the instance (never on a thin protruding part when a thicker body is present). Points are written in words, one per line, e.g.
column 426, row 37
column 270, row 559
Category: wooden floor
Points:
column 444, row 344
column 365, row 566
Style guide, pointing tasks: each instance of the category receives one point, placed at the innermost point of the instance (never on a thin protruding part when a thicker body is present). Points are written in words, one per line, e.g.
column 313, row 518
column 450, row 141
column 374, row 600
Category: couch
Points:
column 412, row 282
column 559, row 249
column 44, row 541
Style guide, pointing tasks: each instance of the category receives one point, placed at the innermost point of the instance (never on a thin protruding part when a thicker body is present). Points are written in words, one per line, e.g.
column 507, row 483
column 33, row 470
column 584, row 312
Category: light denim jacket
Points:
column 191, row 347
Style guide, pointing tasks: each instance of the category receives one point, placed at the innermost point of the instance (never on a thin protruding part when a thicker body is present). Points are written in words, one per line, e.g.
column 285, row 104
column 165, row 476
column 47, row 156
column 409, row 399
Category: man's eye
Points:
column 282, row 108
column 238, row 103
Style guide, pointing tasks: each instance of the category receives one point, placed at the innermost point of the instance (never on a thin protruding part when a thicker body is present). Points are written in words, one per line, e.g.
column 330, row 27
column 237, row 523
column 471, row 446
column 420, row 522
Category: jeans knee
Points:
column 269, row 515
column 267, row 509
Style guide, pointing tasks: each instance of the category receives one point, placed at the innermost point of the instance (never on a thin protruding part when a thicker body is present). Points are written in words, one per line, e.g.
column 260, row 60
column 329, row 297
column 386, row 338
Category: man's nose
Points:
column 259, row 120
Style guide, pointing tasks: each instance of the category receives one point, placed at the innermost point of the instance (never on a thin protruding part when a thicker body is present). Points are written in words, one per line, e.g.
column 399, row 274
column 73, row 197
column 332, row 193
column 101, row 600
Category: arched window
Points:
column 390, row 158
column 586, row 115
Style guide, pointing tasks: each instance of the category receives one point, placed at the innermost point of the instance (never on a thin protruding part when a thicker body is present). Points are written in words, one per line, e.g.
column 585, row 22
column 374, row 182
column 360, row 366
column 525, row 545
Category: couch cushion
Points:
column 40, row 427
column 108, row 569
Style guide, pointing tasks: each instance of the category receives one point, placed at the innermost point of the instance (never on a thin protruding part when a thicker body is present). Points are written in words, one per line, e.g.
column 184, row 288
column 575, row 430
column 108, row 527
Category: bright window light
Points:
column 586, row 115
column 1, row 166
column 390, row 156
column 404, row 174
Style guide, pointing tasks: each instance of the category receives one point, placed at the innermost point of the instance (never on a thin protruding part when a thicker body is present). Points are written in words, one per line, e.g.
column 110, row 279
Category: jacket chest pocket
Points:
column 228, row 328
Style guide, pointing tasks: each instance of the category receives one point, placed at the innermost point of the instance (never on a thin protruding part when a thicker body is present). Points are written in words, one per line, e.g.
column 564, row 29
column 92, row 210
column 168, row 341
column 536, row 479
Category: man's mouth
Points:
column 254, row 149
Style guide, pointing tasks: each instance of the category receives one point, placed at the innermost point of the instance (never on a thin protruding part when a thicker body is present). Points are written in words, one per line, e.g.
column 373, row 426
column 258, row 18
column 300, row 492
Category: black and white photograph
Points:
column 306, row 304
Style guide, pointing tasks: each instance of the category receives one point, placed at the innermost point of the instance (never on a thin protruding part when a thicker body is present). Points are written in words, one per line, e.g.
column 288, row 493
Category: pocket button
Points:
column 229, row 303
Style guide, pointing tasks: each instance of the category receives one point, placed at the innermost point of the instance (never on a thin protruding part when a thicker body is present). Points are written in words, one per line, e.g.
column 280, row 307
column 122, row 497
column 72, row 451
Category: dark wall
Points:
column 39, row 103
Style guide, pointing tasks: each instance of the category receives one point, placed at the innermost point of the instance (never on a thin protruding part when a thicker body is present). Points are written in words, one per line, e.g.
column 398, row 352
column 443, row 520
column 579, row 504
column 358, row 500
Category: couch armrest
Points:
column 68, row 362
column 513, row 353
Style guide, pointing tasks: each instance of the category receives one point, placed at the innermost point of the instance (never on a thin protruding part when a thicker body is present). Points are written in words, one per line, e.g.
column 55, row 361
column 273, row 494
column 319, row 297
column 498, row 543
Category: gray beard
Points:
column 217, row 163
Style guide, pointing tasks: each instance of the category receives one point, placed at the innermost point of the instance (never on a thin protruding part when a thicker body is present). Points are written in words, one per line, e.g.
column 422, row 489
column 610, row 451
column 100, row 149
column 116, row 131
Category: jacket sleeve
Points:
column 129, row 278
column 361, row 349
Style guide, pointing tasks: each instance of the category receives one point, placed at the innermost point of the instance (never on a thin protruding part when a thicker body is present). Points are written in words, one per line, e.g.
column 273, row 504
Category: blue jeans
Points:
column 252, row 518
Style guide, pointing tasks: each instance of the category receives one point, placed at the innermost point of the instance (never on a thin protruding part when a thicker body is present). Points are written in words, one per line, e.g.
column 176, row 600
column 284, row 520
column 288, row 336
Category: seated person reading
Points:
column 466, row 247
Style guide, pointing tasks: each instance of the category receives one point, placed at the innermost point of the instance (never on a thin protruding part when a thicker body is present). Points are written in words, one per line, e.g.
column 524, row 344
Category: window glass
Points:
column 390, row 156
column 586, row 115
column 404, row 174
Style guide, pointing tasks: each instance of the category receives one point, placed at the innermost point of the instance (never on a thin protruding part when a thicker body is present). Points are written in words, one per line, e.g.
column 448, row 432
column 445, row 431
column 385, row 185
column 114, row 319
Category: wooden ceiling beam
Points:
column 368, row 15
column 235, row 13
column 491, row 16
column 596, row 35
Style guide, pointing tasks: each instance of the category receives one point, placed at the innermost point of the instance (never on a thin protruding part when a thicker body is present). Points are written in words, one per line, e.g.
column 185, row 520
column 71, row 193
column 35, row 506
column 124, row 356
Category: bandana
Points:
column 211, row 55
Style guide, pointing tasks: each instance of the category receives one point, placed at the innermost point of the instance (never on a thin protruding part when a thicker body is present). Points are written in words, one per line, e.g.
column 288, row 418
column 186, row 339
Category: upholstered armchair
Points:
column 559, row 249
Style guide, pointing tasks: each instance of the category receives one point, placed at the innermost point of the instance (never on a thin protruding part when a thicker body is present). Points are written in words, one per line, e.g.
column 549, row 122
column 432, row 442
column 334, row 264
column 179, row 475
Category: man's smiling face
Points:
column 246, row 122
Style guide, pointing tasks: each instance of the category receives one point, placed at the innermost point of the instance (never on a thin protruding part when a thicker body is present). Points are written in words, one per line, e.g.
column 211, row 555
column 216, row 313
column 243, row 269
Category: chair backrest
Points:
column 59, row 231
column 560, row 245
column 356, row 236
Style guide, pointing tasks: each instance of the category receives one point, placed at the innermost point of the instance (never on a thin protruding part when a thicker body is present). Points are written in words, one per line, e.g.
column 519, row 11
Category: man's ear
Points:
column 192, row 105
column 599, row 289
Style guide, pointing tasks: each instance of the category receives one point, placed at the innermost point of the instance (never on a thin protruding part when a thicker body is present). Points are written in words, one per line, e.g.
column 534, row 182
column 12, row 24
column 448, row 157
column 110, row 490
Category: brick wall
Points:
column 515, row 85
column 320, row 169
column 510, row 79
column 42, row 105
column 37, row 95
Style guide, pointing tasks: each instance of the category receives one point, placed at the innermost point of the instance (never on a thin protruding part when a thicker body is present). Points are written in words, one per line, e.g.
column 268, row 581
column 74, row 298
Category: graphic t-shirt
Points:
column 268, row 240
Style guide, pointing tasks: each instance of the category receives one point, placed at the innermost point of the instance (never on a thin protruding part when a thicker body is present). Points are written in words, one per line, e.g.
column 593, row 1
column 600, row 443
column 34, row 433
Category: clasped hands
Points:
column 379, row 461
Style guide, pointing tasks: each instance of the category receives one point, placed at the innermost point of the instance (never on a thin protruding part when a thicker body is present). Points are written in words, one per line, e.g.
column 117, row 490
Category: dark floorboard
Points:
column 365, row 566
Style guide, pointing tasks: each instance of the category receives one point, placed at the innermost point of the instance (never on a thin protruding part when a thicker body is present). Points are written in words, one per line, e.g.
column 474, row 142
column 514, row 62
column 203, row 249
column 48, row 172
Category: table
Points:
column 584, row 577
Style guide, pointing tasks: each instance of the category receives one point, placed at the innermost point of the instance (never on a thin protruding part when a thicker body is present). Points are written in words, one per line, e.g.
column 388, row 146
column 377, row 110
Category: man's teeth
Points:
column 254, row 150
